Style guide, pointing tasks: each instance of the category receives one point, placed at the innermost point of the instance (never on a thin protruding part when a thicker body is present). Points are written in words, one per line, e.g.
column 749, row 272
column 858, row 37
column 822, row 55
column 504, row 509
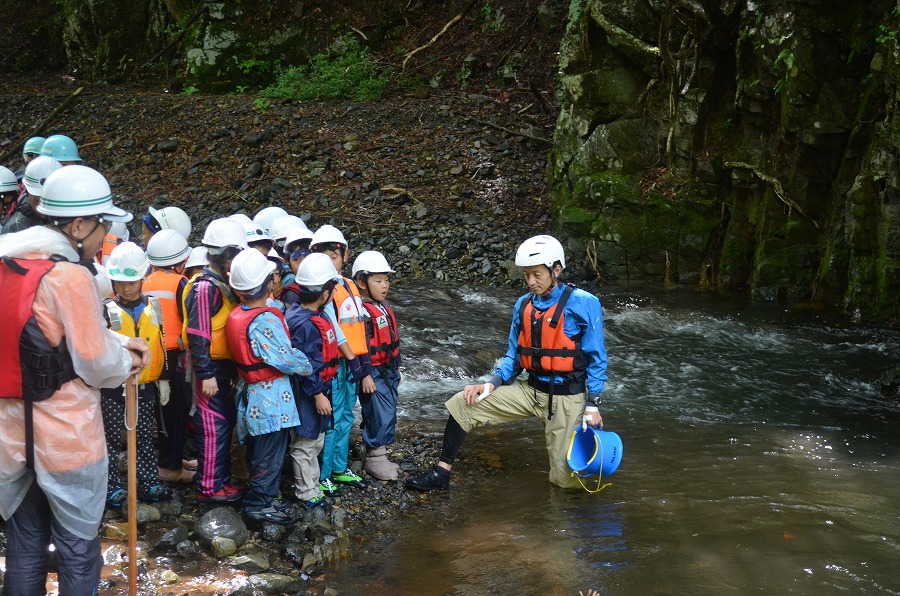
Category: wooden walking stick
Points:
column 131, row 430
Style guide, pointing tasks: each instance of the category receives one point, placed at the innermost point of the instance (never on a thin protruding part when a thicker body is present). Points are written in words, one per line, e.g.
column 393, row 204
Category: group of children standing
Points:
column 281, row 378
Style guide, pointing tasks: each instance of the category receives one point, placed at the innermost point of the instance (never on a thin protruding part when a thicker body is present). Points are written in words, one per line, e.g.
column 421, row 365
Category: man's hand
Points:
column 592, row 417
column 473, row 393
column 140, row 355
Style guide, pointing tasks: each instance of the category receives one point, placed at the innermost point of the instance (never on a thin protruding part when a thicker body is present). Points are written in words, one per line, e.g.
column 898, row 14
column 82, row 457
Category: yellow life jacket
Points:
column 349, row 311
column 218, row 348
column 148, row 327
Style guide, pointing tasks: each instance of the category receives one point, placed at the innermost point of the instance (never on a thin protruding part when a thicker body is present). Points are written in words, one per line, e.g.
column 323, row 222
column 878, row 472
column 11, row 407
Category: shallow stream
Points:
column 758, row 458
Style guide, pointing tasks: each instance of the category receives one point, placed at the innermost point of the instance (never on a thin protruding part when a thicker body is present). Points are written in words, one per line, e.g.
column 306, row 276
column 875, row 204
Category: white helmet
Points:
column 315, row 271
column 540, row 250
column 37, row 171
column 127, row 262
column 167, row 247
column 79, row 191
column 328, row 233
column 120, row 231
column 296, row 235
column 101, row 278
column 199, row 257
column 283, row 225
column 241, row 218
column 8, row 182
column 224, row 232
column 255, row 233
column 371, row 261
column 172, row 218
column 249, row 270
column 266, row 217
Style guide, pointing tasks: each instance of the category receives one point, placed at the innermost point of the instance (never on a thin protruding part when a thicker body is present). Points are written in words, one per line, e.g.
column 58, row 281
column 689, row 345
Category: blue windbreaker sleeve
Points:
column 332, row 316
column 203, row 301
column 306, row 338
column 272, row 345
column 585, row 310
column 508, row 368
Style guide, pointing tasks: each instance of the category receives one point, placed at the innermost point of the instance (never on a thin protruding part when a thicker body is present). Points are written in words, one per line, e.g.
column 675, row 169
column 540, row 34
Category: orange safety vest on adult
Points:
column 163, row 284
column 330, row 352
column 384, row 342
column 251, row 368
column 199, row 319
column 30, row 368
column 348, row 309
column 148, row 326
column 544, row 347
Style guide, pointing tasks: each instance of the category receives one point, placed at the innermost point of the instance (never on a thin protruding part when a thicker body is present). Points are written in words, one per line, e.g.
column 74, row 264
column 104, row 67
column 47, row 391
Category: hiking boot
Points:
column 430, row 480
column 349, row 478
column 269, row 514
column 227, row 494
column 329, row 488
column 316, row 501
column 379, row 466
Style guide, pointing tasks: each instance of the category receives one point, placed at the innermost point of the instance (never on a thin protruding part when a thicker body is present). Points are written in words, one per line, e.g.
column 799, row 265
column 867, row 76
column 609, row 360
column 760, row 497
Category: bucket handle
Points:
column 599, row 474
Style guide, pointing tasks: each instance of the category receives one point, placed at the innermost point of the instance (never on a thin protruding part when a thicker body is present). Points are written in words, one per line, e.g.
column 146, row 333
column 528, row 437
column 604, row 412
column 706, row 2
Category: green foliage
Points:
column 787, row 58
column 489, row 19
column 189, row 90
column 347, row 70
column 889, row 30
column 261, row 104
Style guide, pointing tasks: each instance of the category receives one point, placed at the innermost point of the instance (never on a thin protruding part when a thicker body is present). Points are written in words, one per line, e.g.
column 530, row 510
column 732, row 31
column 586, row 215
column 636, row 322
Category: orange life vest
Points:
column 349, row 311
column 249, row 366
column 384, row 345
column 330, row 352
column 544, row 346
column 110, row 241
column 163, row 284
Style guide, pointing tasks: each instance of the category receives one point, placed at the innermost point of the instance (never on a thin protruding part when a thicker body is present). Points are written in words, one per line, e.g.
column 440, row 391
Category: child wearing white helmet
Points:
column 266, row 412
column 25, row 214
column 9, row 192
column 296, row 248
column 196, row 262
column 54, row 481
column 354, row 372
column 167, row 218
column 208, row 300
column 133, row 314
column 372, row 275
column 557, row 336
column 168, row 252
column 313, row 333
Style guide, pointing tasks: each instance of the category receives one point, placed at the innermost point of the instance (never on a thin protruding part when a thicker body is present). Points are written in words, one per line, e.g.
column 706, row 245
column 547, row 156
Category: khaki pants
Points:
column 518, row 401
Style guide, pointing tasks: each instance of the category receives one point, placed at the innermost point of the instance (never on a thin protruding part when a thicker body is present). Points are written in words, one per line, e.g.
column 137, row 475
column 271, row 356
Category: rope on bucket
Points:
column 599, row 446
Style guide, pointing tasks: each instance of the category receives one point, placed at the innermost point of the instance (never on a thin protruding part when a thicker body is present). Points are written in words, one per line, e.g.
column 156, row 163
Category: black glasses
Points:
column 106, row 224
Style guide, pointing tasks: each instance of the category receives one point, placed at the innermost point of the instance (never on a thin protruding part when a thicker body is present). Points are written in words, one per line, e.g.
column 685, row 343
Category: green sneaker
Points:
column 349, row 478
column 329, row 488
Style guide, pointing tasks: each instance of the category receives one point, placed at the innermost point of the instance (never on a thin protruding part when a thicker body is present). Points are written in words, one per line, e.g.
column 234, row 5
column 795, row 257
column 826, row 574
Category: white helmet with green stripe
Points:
column 79, row 191
column 8, row 182
column 167, row 247
column 37, row 171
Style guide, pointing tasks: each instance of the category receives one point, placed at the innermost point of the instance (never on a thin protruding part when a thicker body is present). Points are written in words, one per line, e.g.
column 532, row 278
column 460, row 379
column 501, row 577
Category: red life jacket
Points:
column 30, row 368
column 293, row 287
column 330, row 352
column 544, row 346
column 384, row 344
column 251, row 368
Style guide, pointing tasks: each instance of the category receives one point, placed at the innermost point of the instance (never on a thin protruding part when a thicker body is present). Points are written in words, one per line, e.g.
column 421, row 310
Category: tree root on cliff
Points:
column 776, row 186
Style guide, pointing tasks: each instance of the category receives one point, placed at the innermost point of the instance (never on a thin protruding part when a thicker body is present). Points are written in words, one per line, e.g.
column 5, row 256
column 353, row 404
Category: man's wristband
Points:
column 593, row 400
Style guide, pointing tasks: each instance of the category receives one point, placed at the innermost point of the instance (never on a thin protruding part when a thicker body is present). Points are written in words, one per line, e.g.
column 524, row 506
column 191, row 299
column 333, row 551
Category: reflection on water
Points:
column 758, row 458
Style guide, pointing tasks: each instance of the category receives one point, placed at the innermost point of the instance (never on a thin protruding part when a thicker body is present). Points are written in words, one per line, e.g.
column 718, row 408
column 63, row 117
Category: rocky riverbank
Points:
column 445, row 184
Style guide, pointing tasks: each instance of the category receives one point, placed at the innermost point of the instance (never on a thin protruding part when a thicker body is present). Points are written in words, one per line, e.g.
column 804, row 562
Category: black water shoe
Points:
column 270, row 514
column 430, row 480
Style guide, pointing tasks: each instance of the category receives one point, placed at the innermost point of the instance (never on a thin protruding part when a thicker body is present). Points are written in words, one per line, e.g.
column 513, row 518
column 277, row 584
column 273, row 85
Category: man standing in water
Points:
column 557, row 336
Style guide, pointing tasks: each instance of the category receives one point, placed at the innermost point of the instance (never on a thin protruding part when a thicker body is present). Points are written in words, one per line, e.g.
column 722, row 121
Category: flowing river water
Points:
column 758, row 458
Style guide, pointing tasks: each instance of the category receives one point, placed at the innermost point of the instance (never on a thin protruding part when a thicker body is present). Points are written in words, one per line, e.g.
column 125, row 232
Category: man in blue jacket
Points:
column 557, row 337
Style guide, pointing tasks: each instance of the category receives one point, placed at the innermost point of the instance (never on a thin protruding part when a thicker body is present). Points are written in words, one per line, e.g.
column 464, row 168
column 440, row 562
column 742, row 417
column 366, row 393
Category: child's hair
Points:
column 220, row 256
column 308, row 295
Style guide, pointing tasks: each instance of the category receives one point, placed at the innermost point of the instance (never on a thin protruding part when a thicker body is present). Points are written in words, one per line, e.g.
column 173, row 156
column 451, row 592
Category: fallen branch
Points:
column 452, row 22
column 40, row 127
column 776, row 186
column 509, row 130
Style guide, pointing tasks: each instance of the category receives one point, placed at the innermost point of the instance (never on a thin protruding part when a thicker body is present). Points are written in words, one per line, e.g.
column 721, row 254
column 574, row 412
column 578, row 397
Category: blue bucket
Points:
column 594, row 451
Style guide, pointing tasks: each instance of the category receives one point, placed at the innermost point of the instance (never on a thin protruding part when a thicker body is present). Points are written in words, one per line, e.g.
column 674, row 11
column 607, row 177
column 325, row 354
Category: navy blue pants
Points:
column 28, row 534
column 213, row 422
column 379, row 409
column 265, row 459
column 173, row 416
